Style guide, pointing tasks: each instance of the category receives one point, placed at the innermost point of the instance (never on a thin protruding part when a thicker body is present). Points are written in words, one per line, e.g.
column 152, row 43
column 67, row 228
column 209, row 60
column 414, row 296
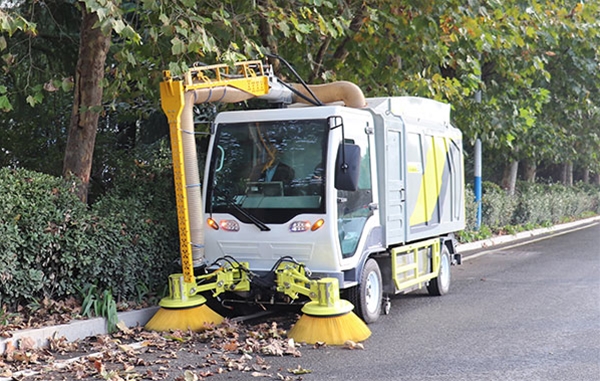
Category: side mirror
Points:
column 347, row 167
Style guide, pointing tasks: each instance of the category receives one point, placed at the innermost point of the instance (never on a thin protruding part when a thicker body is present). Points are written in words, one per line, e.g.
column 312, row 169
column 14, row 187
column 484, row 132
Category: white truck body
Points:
column 410, row 188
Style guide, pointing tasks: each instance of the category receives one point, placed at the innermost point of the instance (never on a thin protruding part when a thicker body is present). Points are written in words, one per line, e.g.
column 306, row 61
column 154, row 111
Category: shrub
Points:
column 142, row 208
column 532, row 206
column 470, row 209
column 497, row 206
column 36, row 212
column 53, row 245
column 554, row 203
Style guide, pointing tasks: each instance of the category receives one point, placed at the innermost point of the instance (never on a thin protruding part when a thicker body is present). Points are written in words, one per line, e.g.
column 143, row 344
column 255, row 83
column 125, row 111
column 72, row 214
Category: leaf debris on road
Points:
column 136, row 354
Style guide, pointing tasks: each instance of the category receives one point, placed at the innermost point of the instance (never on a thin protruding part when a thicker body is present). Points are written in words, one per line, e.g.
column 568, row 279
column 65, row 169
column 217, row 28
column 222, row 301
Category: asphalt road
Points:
column 530, row 312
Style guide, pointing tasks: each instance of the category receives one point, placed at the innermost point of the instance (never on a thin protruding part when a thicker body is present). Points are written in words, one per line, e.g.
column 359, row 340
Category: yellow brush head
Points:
column 194, row 319
column 332, row 330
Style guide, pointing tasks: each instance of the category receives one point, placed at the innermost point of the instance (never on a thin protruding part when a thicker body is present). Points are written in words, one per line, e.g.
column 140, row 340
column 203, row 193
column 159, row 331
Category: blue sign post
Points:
column 477, row 182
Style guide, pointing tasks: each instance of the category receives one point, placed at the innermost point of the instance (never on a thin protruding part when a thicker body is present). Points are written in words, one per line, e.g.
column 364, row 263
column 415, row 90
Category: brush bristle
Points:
column 194, row 319
column 332, row 330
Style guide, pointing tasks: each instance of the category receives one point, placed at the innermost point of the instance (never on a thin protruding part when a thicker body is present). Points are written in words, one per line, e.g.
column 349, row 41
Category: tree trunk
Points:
column 87, row 103
column 265, row 29
column 509, row 177
column 586, row 175
column 341, row 52
column 357, row 22
column 597, row 178
column 529, row 171
column 567, row 173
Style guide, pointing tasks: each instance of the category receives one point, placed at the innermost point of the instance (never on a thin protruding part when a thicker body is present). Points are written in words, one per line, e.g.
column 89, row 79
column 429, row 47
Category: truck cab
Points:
column 264, row 212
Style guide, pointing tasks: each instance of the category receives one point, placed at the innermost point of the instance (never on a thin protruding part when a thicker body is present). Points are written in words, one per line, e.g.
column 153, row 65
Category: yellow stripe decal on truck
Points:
column 431, row 181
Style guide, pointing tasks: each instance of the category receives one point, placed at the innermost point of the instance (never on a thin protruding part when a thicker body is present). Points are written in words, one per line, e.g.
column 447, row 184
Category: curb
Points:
column 499, row 240
column 80, row 329
column 75, row 330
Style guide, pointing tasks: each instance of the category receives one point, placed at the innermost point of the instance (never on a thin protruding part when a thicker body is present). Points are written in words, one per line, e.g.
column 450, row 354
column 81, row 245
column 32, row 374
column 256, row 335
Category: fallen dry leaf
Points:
column 26, row 343
column 299, row 370
column 99, row 366
column 123, row 328
column 190, row 376
column 260, row 374
column 9, row 348
column 6, row 373
column 21, row 356
column 352, row 345
column 125, row 348
column 231, row 346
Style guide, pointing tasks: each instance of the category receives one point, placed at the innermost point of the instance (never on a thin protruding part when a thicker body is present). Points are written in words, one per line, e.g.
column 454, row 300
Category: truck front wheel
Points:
column 367, row 296
column 440, row 285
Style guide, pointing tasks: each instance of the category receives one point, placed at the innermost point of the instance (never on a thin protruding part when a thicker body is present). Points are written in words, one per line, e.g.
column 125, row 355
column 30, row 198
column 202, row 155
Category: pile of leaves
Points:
column 135, row 354
column 47, row 312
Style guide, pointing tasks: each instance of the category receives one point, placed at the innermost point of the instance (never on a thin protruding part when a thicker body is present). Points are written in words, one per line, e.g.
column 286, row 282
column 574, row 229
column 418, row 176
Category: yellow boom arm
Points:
column 249, row 79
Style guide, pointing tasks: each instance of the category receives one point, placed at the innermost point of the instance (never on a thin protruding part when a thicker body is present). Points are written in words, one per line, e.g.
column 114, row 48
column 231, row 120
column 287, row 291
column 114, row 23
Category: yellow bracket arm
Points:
column 291, row 280
column 323, row 293
column 233, row 277
column 250, row 78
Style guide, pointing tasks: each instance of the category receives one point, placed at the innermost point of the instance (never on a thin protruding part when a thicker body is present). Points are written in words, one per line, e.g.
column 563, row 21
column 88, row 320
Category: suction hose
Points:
column 190, row 159
column 343, row 91
column 192, row 179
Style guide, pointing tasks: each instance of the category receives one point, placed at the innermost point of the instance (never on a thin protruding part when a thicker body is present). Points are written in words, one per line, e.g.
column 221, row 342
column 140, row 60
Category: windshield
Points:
column 272, row 170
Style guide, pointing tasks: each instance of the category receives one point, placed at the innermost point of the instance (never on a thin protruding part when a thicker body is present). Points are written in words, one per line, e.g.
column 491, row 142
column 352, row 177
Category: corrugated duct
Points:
column 341, row 91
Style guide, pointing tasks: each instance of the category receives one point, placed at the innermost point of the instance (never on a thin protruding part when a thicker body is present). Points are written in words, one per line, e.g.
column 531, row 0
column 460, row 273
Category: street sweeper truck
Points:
column 322, row 198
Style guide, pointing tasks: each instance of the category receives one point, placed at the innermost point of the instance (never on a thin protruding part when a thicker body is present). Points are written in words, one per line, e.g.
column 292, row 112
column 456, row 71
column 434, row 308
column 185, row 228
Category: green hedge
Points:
column 533, row 205
column 53, row 245
column 497, row 208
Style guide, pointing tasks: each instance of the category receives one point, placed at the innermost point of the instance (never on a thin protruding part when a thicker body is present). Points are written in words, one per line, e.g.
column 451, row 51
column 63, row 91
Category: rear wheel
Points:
column 367, row 296
column 440, row 285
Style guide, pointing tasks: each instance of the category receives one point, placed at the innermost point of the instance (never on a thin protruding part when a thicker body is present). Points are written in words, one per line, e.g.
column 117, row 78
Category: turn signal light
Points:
column 212, row 223
column 317, row 224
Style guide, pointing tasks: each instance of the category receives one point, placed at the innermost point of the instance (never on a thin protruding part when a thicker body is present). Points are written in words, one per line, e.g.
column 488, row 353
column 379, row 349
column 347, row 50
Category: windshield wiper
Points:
column 259, row 224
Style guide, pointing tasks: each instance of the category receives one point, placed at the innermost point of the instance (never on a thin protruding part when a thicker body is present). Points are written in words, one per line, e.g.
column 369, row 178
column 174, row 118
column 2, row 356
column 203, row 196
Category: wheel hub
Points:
column 372, row 290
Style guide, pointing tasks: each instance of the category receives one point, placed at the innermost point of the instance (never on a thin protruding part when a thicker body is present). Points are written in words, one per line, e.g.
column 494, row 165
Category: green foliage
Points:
column 470, row 208
column 535, row 64
column 100, row 304
column 468, row 235
column 53, row 244
column 551, row 204
column 141, row 207
column 532, row 206
column 497, row 206
column 5, row 316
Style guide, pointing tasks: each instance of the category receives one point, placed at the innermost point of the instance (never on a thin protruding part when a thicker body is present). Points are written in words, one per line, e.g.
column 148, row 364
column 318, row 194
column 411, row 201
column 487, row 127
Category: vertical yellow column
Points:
column 172, row 101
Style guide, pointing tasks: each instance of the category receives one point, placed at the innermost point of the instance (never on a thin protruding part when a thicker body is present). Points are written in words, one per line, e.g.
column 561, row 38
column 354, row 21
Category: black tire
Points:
column 440, row 285
column 367, row 296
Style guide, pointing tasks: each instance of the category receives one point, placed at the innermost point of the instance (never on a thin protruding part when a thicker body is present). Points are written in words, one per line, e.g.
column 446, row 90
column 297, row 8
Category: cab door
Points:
column 394, row 183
